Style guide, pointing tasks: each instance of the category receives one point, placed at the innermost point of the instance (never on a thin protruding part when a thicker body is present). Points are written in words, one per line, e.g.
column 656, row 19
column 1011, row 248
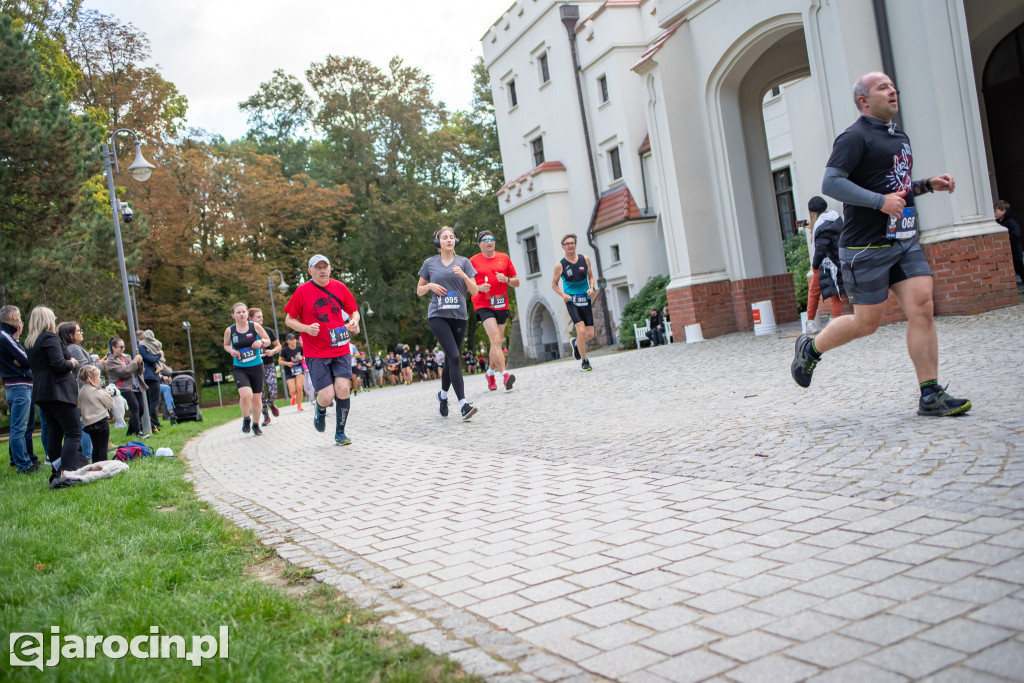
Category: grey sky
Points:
column 217, row 52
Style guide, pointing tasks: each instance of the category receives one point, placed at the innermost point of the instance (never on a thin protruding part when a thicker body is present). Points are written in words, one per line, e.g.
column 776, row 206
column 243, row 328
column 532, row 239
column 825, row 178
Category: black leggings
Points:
column 64, row 432
column 99, row 433
column 134, row 399
column 450, row 333
column 153, row 401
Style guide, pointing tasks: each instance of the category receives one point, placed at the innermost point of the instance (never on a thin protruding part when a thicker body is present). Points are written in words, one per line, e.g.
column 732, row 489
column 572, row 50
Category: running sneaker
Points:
column 444, row 405
column 510, row 379
column 341, row 439
column 575, row 349
column 804, row 361
column 468, row 411
column 319, row 419
column 293, row 400
column 256, row 429
column 266, row 420
column 491, row 383
column 941, row 404
column 585, row 365
column 246, row 422
column 301, row 408
column 274, row 410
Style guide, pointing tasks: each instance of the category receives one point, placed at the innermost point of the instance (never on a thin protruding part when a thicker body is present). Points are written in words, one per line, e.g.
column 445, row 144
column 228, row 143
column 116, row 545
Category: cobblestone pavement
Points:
column 681, row 513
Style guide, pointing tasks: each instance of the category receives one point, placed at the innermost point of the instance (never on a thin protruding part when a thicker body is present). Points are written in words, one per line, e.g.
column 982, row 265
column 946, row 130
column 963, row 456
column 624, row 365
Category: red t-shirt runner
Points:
column 486, row 270
column 310, row 304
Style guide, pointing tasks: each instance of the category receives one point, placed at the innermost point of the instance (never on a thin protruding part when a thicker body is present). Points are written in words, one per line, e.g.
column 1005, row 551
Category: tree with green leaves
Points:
column 56, row 247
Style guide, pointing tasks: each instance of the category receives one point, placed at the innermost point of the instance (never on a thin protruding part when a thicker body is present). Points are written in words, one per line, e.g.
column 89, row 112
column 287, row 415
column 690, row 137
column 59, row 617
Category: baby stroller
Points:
column 186, row 398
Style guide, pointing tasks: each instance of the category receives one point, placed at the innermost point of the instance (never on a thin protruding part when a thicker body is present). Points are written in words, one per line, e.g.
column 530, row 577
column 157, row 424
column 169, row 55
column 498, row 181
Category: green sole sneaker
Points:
column 942, row 404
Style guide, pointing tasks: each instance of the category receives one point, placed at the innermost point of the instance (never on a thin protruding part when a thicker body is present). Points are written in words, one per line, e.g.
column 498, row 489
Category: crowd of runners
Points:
column 877, row 250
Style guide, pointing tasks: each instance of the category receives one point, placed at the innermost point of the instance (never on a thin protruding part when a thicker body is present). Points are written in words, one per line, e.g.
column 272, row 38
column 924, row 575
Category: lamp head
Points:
column 369, row 311
column 283, row 288
column 186, row 325
column 140, row 168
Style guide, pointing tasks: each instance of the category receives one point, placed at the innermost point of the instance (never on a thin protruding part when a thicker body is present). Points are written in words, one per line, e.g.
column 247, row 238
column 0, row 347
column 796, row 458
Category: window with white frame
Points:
column 542, row 65
column 602, row 88
column 537, row 149
column 513, row 98
column 532, row 258
column 616, row 163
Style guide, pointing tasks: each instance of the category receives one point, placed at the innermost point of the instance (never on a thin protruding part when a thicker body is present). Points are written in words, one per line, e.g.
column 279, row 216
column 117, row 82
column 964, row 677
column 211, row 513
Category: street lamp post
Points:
column 140, row 170
column 133, row 282
column 187, row 326
column 369, row 311
column 283, row 288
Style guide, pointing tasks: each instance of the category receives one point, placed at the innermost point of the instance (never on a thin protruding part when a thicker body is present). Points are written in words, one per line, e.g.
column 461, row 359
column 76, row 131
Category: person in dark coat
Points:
column 1005, row 218
column 657, row 328
column 826, row 278
column 55, row 391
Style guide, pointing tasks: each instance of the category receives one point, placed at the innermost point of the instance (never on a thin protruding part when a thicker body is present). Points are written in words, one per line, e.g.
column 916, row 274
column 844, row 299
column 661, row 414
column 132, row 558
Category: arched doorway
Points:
column 772, row 54
column 1003, row 89
column 543, row 336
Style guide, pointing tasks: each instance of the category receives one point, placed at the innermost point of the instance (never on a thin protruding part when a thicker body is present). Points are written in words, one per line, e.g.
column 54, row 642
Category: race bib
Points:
column 498, row 302
column 580, row 300
column 296, row 371
column 248, row 354
column 903, row 227
column 451, row 301
column 339, row 335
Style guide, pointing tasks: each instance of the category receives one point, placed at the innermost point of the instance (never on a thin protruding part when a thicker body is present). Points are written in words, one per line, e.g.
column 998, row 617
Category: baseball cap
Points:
column 317, row 258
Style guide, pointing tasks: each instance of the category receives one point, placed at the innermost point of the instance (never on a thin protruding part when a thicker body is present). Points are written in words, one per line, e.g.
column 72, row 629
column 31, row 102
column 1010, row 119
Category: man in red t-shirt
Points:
column 494, row 275
column 325, row 313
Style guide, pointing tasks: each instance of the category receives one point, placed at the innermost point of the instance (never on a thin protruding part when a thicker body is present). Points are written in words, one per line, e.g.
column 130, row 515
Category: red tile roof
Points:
column 543, row 168
column 608, row 3
column 656, row 45
column 614, row 208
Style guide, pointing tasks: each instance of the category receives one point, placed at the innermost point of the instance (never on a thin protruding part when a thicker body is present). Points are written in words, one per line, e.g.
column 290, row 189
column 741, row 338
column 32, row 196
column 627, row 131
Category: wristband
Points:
column 928, row 185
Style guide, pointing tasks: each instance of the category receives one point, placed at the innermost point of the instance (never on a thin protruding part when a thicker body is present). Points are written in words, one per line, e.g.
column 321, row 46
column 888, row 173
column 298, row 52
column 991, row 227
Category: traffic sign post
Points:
column 218, row 378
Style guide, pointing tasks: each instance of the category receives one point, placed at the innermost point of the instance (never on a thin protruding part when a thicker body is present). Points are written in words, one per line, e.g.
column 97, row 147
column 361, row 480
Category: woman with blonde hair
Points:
column 55, row 391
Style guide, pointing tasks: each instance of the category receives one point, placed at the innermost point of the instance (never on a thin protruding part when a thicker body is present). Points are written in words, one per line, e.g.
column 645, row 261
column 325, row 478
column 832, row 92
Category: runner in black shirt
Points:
column 870, row 171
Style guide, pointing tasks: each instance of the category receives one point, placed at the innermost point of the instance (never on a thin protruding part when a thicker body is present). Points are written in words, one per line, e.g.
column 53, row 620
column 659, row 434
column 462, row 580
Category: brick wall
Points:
column 972, row 275
column 724, row 307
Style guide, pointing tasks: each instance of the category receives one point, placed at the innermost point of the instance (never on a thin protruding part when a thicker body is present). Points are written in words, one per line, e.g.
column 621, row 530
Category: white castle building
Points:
column 684, row 137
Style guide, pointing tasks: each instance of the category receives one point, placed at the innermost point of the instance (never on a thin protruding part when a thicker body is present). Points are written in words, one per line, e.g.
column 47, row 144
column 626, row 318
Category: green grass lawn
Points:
column 122, row 555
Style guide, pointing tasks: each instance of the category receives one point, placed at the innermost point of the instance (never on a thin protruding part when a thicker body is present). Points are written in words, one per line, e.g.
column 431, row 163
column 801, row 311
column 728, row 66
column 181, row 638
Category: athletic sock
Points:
column 490, row 372
column 444, row 395
column 815, row 353
column 341, row 406
column 462, row 402
column 928, row 388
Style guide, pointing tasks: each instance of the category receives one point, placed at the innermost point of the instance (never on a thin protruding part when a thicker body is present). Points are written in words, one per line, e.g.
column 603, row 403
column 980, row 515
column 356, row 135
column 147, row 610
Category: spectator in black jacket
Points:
column 70, row 334
column 151, row 374
column 55, row 390
column 17, row 377
column 657, row 325
column 1006, row 219
column 826, row 278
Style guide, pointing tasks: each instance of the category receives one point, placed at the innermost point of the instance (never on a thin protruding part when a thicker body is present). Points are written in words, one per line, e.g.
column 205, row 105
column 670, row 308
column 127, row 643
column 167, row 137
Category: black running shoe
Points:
column 256, row 429
column 941, row 404
column 575, row 349
column 246, row 423
column 444, row 405
column 319, row 419
column 804, row 361
column 585, row 365
column 468, row 411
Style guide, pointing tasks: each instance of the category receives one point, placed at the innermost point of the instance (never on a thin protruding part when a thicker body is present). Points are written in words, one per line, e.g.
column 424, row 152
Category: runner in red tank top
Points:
column 494, row 275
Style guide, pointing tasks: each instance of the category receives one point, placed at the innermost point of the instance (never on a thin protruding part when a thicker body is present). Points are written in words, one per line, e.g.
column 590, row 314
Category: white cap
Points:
column 317, row 259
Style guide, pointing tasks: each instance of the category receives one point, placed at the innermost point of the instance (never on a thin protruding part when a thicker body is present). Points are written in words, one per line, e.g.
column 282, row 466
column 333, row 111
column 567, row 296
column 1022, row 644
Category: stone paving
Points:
column 681, row 513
